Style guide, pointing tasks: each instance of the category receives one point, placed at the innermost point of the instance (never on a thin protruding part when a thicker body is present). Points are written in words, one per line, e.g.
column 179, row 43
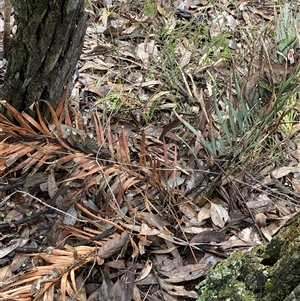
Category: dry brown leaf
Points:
column 204, row 213
column 195, row 230
column 261, row 13
column 208, row 237
column 100, row 65
column 296, row 154
column 219, row 215
column 146, row 230
column 274, row 227
column 284, row 171
column 185, row 59
column 5, row 274
column 52, row 185
column 186, row 273
column 261, row 201
column 145, row 271
column 235, row 243
column 71, row 217
column 296, row 184
column 152, row 220
column 266, row 233
column 147, row 51
column 188, row 211
column 12, row 245
column 177, row 290
column 113, row 245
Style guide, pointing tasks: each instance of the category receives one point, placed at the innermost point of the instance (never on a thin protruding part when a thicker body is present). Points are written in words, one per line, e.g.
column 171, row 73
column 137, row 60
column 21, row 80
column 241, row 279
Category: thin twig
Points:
column 49, row 206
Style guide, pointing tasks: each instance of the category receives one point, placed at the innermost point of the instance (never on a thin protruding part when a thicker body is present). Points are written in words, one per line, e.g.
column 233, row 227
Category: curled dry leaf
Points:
column 145, row 271
column 14, row 243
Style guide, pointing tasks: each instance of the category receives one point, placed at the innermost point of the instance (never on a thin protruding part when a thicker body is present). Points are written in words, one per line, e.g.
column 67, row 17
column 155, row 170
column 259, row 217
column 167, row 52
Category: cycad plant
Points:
column 257, row 102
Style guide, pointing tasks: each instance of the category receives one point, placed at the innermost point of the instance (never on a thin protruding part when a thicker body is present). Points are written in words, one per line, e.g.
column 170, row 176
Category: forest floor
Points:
column 179, row 145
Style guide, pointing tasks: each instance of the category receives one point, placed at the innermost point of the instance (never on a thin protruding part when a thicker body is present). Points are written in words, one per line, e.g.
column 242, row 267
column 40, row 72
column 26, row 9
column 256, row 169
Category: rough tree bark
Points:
column 44, row 52
column 266, row 273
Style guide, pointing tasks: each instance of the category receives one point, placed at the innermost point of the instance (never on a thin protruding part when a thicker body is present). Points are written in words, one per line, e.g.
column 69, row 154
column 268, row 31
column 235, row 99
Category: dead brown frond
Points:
column 61, row 265
column 73, row 162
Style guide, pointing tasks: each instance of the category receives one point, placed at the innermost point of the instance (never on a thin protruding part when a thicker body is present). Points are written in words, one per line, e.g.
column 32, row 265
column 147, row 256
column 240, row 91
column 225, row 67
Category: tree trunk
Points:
column 266, row 273
column 44, row 52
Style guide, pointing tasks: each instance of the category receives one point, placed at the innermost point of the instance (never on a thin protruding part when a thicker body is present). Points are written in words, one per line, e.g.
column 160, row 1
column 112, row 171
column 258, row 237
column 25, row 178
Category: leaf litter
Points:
column 128, row 195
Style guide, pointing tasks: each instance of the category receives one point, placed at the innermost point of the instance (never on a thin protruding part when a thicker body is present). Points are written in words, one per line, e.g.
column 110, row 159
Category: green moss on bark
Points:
column 266, row 273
